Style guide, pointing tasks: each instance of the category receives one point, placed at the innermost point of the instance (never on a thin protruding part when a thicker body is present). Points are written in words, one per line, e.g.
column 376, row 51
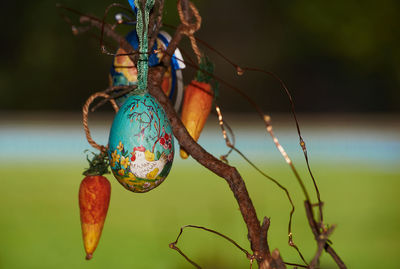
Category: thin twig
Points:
column 124, row 90
column 155, row 24
column 317, row 234
column 231, row 146
column 104, row 24
column 267, row 120
column 302, row 143
column 295, row 264
column 174, row 247
column 248, row 255
column 108, row 31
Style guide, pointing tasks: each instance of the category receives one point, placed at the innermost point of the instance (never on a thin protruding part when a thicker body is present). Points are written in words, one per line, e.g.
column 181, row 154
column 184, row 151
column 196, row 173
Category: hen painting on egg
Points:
column 141, row 144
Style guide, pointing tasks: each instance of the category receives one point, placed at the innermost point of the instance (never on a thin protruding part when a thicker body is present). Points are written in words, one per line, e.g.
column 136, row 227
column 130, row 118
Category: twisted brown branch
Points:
column 227, row 172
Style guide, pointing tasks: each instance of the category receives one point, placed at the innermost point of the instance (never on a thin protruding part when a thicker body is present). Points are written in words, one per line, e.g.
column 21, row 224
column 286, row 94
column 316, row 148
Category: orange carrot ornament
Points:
column 94, row 198
column 198, row 101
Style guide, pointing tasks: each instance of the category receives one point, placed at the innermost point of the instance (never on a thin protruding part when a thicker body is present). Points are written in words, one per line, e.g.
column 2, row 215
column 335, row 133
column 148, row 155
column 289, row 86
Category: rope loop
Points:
column 191, row 28
column 85, row 113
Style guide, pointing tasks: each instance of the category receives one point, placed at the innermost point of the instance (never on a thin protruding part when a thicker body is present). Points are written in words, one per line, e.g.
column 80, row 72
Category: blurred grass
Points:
column 40, row 228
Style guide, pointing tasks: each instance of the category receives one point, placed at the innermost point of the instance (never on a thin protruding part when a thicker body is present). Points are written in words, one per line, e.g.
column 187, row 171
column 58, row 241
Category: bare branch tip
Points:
column 74, row 30
column 239, row 71
column 275, row 254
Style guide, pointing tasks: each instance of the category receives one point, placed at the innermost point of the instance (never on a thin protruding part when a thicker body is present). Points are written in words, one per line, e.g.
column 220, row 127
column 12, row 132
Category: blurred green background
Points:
column 341, row 61
column 40, row 219
column 356, row 165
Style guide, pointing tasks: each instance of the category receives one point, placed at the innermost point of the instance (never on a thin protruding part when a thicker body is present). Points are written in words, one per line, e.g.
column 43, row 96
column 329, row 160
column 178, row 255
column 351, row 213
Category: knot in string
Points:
column 143, row 14
column 191, row 28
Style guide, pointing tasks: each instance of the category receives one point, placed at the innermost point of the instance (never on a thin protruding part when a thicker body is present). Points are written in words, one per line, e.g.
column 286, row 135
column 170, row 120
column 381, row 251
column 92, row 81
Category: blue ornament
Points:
column 132, row 4
column 141, row 144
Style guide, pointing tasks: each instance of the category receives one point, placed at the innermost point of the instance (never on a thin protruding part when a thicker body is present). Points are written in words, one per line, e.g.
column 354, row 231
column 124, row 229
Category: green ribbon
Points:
column 143, row 14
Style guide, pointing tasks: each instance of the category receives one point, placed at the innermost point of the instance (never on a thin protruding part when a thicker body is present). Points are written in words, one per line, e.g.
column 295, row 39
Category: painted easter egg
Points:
column 141, row 144
column 123, row 71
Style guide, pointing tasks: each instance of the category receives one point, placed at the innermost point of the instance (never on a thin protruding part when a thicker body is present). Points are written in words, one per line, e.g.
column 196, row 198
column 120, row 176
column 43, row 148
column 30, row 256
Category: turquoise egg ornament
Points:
column 141, row 144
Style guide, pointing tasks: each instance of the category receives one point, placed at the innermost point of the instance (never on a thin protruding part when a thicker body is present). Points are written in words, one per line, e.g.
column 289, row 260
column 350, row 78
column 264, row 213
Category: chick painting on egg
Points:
column 143, row 164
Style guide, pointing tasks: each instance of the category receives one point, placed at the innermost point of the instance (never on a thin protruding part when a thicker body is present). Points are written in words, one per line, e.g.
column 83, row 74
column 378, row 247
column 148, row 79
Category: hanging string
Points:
column 142, row 26
column 85, row 112
column 190, row 29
